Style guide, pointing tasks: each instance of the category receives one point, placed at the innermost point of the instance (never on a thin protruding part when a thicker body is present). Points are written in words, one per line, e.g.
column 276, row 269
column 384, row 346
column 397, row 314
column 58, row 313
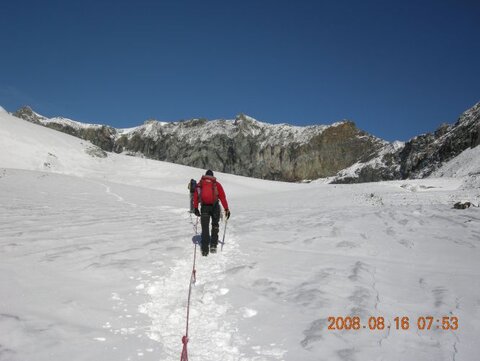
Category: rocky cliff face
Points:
column 245, row 146
column 241, row 146
column 420, row 156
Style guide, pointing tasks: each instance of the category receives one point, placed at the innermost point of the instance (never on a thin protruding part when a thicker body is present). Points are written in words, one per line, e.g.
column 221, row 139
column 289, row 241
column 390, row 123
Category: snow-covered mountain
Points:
column 245, row 146
column 420, row 156
column 242, row 146
column 96, row 255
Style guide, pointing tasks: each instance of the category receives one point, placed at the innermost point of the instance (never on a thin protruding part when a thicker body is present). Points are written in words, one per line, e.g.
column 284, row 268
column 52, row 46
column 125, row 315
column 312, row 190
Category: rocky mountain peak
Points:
column 246, row 146
column 28, row 114
column 421, row 155
column 471, row 115
column 243, row 118
column 150, row 121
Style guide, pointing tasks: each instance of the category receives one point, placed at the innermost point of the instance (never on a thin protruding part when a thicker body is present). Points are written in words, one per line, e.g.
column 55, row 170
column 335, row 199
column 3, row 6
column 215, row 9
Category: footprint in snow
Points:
column 223, row 291
column 249, row 313
column 346, row 244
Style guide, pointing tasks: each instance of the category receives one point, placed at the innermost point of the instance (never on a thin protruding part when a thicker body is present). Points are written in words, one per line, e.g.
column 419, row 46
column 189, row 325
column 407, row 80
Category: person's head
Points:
column 209, row 172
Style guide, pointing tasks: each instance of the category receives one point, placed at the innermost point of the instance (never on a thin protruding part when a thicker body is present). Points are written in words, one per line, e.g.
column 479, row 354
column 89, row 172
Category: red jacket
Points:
column 221, row 193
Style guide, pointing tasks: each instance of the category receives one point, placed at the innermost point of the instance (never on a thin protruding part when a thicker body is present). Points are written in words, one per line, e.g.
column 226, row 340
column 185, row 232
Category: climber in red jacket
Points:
column 208, row 192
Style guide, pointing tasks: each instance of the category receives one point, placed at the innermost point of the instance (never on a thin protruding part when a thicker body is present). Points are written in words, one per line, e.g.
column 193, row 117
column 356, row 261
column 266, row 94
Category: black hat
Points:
column 209, row 172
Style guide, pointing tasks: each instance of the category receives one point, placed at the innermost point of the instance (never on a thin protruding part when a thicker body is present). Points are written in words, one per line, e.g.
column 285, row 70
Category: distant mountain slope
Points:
column 420, row 156
column 27, row 146
column 243, row 146
column 466, row 164
column 99, row 135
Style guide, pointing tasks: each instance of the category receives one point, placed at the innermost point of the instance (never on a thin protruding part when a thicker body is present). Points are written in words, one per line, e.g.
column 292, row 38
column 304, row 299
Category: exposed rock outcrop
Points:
column 421, row 155
column 245, row 146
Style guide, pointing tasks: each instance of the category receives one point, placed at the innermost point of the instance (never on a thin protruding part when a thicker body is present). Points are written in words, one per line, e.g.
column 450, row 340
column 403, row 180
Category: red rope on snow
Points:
column 184, row 356
column 193, row 279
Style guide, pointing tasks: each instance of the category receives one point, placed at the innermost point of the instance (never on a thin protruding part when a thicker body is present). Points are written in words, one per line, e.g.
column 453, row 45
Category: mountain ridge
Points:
column 248, row 147
column 242, row 146
column 422, row 155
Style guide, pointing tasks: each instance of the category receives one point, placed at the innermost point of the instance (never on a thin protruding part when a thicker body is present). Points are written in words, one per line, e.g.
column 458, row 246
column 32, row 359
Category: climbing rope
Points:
column 193, row 279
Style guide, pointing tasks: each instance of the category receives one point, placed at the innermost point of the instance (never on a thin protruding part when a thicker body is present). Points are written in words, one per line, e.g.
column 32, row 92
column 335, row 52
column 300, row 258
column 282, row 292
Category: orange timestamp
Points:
column 399, row 323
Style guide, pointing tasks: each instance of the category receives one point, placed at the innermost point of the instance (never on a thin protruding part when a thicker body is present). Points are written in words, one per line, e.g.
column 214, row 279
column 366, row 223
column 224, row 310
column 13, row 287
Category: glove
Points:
column 227, row 213
column 197, row 212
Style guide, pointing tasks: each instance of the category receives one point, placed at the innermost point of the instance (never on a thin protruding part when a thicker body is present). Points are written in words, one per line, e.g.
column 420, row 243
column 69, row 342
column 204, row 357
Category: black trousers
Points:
column 207, row 212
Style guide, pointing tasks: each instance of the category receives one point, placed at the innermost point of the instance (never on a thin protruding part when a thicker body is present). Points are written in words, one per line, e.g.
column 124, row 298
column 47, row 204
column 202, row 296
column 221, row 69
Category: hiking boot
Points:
column 213, row 249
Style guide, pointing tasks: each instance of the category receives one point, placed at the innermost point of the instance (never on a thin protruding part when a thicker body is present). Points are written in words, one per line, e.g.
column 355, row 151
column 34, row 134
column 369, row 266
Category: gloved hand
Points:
column 197, row 212
column 227, row 213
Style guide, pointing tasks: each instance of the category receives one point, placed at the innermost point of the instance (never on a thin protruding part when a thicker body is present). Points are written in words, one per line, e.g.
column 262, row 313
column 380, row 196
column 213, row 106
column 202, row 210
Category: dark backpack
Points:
column 193, row 185
column 208, row 190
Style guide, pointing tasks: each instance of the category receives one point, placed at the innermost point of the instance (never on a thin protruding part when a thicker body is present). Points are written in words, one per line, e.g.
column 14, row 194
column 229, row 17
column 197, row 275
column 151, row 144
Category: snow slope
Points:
column 465, row 164
column 96, row 254
column 28, row 146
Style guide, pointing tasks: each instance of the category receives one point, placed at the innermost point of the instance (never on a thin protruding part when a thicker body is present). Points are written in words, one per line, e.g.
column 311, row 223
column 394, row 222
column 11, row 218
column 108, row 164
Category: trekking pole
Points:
column 195, row 227
column 224, row 231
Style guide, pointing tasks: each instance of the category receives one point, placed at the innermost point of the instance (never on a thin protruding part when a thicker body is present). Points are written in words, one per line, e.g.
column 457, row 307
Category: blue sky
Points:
column 396, row 68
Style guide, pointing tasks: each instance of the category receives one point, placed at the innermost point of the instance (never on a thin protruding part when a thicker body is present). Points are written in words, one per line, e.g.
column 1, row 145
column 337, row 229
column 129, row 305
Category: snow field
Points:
column 398, row 253
column 63, row 257
column 96, row 256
